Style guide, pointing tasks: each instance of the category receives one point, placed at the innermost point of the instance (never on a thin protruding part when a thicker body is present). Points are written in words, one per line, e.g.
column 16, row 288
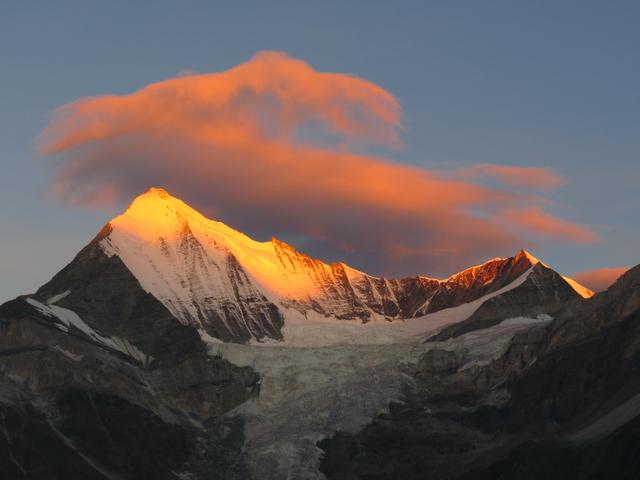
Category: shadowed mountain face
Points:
column 137, row 361
column 562, row 402
column 139, row 399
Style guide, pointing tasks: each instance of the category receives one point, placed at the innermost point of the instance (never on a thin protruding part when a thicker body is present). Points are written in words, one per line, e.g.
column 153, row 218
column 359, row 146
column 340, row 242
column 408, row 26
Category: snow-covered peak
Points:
column 156, row 211
column 208, row 274
column 154, row 229
column 581, row 290
column 156, row 215
column 494, row 267
column 159, row 219
column 185, row 259
column 158, row 222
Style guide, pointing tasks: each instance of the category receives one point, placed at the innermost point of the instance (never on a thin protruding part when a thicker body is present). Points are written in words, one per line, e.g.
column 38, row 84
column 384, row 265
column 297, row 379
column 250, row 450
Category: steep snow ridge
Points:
column 179, row 255
column 200, row 268
column 196, row 267
column 532, row 259
column 58, row 297
column 339, row 291
column 160, row 221
column 318, row 331
column 184, row 260
column 581, row 290
column 584, row 292
column 153, row 237
column 237, row 289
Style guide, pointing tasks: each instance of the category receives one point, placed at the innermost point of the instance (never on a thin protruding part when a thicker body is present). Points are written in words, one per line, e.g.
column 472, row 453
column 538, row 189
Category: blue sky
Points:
column 551, row 84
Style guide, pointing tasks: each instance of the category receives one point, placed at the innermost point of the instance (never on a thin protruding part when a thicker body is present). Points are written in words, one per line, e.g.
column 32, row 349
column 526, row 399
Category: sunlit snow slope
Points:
column 238, row 289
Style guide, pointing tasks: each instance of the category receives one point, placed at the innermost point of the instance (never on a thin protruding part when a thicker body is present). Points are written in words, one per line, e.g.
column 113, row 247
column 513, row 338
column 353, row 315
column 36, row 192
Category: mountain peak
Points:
column 158, row 191
column 155, row 195
column 526, row 254
column 157, row 210
column 581, row 290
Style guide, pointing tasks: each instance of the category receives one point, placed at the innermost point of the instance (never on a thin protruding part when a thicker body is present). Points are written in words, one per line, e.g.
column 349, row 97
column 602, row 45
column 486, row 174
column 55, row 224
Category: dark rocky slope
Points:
column 73, row 408
column 560, row 403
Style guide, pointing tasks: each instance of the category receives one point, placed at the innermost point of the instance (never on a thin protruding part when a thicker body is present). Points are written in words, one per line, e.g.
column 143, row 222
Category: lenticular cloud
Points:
column 272, row 148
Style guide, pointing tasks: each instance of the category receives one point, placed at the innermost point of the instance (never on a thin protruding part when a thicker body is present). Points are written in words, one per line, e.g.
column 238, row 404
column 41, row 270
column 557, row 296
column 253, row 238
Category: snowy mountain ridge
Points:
column 236, row 288
column 237, row 359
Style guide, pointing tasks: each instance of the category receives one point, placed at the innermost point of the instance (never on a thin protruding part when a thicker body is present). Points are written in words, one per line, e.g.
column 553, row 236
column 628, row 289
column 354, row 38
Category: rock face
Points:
column 561, row 402
column 544, row 292
column 345, row 293
column 125, row 391
column 132, row 363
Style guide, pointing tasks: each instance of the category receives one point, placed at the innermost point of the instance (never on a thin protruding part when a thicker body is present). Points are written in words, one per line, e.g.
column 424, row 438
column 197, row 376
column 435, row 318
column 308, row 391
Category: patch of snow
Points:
column 531, row 258
column 183, row 475
column 483, row 346
column 124, row 346
column 68, row 354
column 58, row 297
column 609, row 422
column 70, row 319
column 206, row 338
column 540, row 318
column 71, row 445
column 67, row 317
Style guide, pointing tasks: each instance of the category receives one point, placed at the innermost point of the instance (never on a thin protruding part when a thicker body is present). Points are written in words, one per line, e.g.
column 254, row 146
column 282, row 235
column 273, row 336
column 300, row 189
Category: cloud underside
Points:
column 274, row 147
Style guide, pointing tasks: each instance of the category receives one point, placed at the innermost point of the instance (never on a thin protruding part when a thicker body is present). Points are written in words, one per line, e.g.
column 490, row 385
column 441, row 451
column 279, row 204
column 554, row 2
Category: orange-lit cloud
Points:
column 271, row 147
column 542, row 223
column 599, row 279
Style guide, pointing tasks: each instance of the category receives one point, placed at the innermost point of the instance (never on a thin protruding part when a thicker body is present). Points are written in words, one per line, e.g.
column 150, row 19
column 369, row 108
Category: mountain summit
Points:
column 236, row 289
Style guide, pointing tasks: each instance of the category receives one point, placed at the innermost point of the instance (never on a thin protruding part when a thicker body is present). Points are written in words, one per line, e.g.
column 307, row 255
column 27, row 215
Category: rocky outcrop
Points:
column 476, row 282
column 105, row 295
column 544, row 292
column 582, row 319
column 76, row 403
